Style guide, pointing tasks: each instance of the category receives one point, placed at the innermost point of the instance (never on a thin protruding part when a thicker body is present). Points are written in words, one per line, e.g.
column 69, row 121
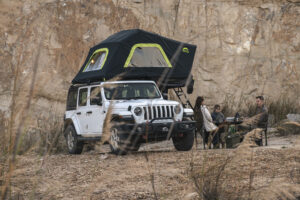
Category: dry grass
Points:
column 209, row 178
column 236, row 176
column 277, row 109
column 3, row 134
column 281, row 107
column 286, row 127
column 51, row 136
column 279, row 190
column 16, row 129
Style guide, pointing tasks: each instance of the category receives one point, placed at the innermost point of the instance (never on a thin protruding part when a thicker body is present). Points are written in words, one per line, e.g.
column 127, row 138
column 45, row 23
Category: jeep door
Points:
column 82, row 110
column 96, row 118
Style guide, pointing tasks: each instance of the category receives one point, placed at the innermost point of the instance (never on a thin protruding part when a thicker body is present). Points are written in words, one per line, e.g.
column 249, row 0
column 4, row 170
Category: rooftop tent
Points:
column 140, row 55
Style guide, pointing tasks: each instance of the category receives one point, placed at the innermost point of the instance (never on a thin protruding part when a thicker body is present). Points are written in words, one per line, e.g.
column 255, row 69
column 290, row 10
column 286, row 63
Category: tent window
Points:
column 97, row 60
column 147, row 55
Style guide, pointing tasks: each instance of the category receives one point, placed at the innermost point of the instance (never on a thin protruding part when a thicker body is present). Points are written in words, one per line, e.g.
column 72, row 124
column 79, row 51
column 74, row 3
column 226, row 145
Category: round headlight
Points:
column 177, row 109
column 138, row 111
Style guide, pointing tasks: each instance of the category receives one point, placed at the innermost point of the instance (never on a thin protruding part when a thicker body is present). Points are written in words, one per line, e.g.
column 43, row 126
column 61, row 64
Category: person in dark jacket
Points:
column 259, row 120
column 198, row 114
column 217, row 115
column 218, row 119
column 263, row 111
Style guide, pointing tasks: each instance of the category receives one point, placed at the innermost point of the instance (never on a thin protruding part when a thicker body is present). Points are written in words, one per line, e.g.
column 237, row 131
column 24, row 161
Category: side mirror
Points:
column 165, row 96
column 190, row 86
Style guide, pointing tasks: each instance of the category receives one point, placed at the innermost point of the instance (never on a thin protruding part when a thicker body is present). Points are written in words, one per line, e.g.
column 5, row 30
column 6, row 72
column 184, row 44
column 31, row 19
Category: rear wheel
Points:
column 74, row 146
column 185, row 142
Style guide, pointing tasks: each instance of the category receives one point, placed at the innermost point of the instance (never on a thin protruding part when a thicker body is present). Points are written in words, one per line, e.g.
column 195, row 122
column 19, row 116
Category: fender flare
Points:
column 68, row 122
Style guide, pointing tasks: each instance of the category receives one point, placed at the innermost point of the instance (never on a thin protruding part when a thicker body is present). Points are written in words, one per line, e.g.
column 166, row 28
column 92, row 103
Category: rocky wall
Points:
column 244, row 48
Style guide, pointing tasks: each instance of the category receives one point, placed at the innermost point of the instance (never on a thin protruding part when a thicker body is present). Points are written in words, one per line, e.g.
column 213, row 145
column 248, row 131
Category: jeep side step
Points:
column 81, row 138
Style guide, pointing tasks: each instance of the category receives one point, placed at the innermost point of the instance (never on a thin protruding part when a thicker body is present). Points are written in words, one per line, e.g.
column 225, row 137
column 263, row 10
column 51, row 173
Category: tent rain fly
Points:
column 140, row 55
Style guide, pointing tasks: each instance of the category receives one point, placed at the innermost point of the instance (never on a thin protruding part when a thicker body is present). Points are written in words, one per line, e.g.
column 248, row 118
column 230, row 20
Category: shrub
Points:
column 281, row 107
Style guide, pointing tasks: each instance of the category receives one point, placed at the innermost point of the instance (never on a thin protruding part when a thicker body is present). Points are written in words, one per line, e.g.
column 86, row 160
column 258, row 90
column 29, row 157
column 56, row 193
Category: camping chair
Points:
column 207, row 137
column 265, row 132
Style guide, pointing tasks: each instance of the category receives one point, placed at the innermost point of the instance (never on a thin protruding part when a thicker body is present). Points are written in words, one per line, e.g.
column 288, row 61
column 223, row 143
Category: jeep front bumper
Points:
column 157, row 129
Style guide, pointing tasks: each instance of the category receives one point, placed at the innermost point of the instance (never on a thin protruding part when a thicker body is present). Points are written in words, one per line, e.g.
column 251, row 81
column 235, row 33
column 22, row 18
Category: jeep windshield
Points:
column 118, row 91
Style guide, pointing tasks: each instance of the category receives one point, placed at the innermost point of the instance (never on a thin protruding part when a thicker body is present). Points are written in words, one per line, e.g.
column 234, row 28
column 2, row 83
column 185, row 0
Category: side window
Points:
column 95, row 96
column 108, row 93
column 82, row 97
column 97, row 60
column 72, row 99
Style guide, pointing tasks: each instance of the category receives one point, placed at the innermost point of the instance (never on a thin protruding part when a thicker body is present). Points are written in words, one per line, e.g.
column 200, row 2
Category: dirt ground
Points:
column 247, row 172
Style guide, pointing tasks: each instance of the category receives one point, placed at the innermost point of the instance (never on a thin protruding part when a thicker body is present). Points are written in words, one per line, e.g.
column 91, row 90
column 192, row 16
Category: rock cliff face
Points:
column 244, row 48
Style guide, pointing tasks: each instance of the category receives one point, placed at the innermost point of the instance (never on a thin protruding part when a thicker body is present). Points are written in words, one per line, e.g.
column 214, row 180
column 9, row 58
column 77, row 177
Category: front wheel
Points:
column 121, row 143
column 184, row 143
column 74, row 146
column 115, row 142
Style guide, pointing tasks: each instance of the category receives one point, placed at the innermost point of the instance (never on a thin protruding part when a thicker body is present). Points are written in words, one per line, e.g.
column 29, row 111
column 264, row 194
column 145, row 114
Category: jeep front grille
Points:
column 154, row 112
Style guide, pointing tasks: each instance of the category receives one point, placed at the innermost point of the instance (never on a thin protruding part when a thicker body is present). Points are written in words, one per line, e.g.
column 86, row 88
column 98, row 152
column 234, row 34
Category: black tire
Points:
column 184, row 143
column 134, row 144
column 74, row 146
column 120, row 143
column 259, row 142
column 116, row 142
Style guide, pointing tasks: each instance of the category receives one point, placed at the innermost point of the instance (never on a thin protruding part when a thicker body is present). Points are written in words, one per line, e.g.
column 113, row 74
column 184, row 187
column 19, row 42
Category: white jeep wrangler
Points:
column 135, row 111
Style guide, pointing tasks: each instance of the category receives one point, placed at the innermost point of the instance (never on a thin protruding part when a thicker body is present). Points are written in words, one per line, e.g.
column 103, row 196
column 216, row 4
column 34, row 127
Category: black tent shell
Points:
column 117, row 52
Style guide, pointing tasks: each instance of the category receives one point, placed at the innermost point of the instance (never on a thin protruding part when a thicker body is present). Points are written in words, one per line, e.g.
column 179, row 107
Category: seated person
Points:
column 259, row 120
column 217, row 115
column 209, row 126
column 198, row 116
column 261, row 110
column 218, row 118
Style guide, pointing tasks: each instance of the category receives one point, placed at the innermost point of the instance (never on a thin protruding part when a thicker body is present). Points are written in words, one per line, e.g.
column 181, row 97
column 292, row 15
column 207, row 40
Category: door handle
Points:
column 79, row 113
column 89, row 112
